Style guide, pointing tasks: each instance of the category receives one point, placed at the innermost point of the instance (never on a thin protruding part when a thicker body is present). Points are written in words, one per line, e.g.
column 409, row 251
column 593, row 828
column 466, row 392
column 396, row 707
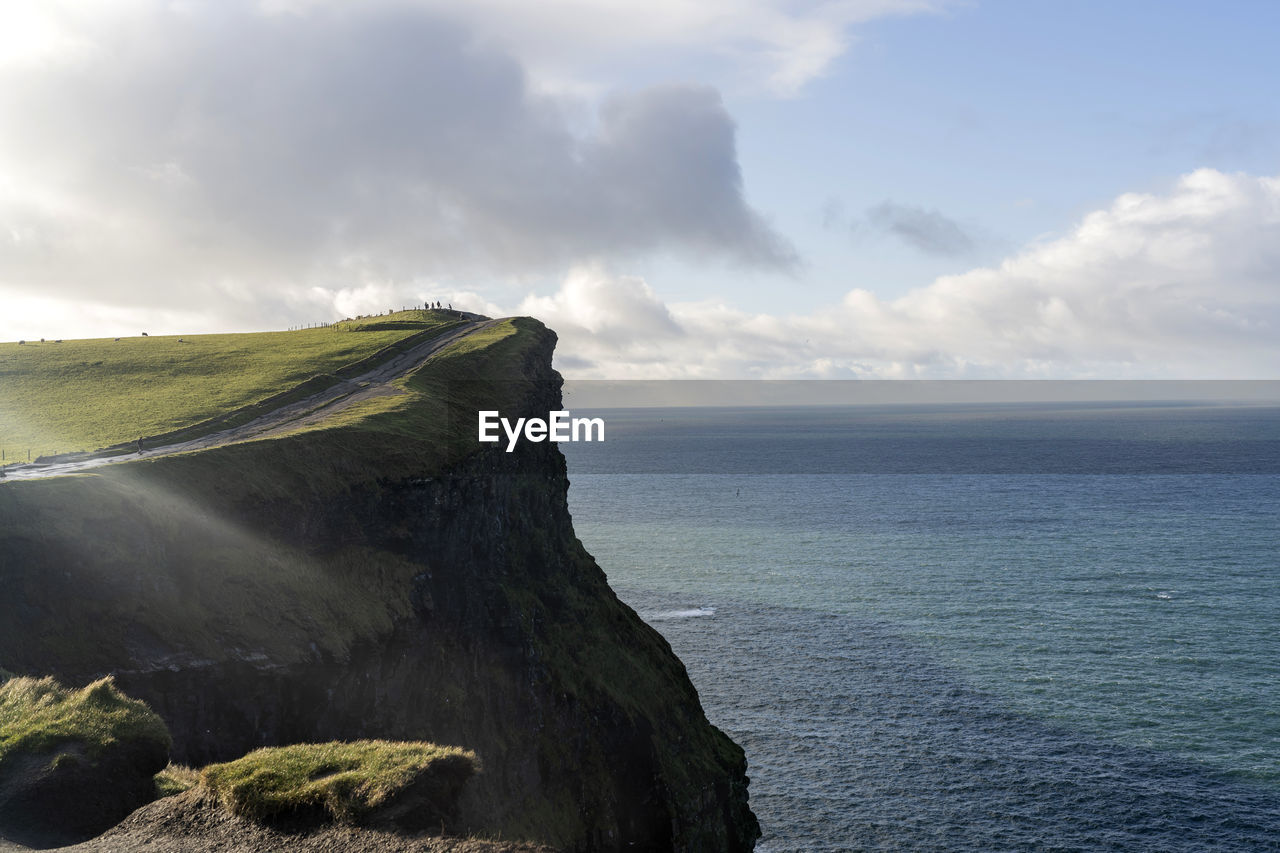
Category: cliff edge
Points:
column 381, row 575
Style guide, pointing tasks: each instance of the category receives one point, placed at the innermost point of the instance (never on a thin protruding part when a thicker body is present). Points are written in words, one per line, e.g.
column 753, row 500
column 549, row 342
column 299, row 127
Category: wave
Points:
column 689, row 613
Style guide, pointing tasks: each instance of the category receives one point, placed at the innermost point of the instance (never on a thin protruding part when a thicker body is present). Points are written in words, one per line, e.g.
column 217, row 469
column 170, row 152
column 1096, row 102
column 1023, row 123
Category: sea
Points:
column 965, row 627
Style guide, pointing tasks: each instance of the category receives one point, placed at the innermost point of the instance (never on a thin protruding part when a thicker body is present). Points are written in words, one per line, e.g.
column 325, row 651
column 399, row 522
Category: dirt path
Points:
column 307, row 411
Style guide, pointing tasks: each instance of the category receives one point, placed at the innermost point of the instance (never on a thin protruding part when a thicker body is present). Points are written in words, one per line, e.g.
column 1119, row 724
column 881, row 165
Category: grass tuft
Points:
column 344, row 780
column 38, row 714
column 175, row 779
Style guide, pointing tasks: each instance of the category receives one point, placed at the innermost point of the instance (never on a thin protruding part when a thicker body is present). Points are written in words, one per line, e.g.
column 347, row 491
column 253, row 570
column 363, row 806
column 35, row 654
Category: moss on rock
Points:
column 413, row 784
column 73, row 763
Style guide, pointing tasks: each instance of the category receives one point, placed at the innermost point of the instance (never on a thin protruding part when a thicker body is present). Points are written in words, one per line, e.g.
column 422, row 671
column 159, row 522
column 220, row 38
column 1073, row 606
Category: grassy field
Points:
column 89, row 394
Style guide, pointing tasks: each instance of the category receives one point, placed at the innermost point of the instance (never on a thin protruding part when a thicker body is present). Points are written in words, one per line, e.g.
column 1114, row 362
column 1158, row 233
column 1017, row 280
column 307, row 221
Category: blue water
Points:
column 966, row 629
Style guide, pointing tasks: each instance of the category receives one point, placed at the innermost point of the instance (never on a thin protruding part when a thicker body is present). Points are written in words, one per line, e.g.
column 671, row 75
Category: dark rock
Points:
column 430, row 801
column 61, row 797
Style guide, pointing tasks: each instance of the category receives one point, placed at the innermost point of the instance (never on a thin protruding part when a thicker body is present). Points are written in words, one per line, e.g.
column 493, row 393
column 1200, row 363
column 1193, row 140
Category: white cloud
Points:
column 622, row 309
column 32, row 317
column 213, row 155
column 1185, row 284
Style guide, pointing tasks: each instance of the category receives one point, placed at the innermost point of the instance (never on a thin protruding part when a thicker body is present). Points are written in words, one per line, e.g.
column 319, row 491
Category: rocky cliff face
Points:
column 375, row 582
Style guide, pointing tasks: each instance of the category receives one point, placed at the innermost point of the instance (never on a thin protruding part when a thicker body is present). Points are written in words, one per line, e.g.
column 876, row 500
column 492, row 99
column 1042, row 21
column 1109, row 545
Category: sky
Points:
column 679, row 188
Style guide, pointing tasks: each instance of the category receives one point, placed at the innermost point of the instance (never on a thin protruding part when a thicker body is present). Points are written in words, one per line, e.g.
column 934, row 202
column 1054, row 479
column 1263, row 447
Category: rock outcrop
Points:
column 73, row 763
column 195, row 822
column 390, row 578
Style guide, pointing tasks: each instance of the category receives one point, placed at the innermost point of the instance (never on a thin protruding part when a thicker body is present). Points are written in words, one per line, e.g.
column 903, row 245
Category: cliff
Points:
column 382, row 577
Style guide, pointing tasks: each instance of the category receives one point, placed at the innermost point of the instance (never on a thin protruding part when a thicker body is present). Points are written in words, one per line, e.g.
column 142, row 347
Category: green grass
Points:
column 480, row 340
column 38, row 714
column 345, row 780
column 90, row 394
column 457, row 381
column 175, row 779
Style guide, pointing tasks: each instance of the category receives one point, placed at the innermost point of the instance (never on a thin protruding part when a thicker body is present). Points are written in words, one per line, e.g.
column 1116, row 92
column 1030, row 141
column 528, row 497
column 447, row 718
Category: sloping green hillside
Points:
column 215, row 566
column 88, row 394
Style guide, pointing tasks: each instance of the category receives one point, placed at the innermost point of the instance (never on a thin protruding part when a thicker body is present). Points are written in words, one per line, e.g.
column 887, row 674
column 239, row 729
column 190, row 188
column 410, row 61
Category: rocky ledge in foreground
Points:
column 195, row 822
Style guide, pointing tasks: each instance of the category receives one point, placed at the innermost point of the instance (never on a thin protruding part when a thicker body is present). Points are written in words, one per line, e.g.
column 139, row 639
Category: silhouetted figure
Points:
column 139, row 445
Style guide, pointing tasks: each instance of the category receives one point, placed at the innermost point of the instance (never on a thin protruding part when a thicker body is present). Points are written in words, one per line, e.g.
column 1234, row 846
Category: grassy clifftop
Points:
column 87, row 394
column 210, row 508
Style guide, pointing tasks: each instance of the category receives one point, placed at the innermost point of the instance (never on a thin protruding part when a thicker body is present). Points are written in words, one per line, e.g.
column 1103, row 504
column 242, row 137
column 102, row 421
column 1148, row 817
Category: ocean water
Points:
column 966, row 628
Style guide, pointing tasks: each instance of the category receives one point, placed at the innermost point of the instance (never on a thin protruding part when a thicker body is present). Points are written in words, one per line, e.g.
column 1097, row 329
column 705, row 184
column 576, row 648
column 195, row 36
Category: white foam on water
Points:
column 690, row 613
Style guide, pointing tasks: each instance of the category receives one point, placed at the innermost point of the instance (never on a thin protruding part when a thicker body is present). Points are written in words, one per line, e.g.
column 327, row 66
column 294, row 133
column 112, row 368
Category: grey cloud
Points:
column 926, row 230
column 211, row 146
column 695, row 190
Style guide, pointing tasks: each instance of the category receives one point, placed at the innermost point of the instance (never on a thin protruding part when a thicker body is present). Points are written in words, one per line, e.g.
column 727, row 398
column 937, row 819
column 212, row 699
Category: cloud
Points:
column 231, row 158
column 623, row 309
column 926, row 230
column 774, row 45
column 1180, row 285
